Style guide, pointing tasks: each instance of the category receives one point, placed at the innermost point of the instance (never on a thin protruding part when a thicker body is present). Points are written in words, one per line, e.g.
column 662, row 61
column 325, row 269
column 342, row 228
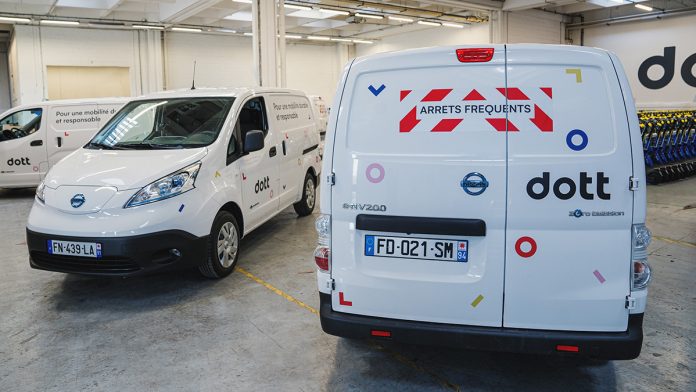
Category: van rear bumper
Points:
column 601, row 345
column 121, row 256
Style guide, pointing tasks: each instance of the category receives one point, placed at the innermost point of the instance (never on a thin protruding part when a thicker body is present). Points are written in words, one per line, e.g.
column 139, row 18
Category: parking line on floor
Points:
column 444, row 383
column 676, row 242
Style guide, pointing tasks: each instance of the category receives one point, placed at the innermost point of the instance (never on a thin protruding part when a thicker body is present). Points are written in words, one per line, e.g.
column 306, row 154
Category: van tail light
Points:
column 322, row 254
column 567, row 348
column 640, row 269
column 380, row 334
column 475, row 55
column 322, row 257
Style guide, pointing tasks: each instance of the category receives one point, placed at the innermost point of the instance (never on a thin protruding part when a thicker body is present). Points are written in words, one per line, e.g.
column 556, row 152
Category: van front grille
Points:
column 106, row 265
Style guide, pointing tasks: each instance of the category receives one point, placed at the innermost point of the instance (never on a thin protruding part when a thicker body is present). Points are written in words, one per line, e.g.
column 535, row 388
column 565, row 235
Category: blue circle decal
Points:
column 583, row 143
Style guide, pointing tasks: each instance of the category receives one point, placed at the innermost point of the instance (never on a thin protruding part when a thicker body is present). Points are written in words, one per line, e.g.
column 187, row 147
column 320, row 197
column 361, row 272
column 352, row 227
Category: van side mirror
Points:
column 253, row 141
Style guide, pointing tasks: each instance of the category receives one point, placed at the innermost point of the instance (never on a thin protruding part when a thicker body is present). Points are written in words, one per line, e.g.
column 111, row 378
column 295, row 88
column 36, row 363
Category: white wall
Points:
column 34, row 48
column 634, row 42
column 534, row 26
column 436, row 36
column 4, row 79
column 221, row 61
column 226, row 61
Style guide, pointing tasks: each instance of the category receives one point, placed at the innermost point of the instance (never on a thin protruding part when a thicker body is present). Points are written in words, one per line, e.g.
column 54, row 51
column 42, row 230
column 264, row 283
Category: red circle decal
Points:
column 532, row 247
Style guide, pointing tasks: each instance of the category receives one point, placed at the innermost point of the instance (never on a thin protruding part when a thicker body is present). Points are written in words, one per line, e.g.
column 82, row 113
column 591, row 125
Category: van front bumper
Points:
column 121, row 256
column 600, row 345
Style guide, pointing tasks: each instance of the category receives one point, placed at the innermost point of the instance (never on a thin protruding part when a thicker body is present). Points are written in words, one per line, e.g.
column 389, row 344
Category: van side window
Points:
column 234, row 148
column 253, row 117
column 20, row 124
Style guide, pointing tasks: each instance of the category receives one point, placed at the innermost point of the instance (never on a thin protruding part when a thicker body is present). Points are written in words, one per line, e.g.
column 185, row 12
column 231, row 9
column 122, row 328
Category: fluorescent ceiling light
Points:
column 242, row 1
column 148, row 27
column 297, row 7
column 362, row 41
column 186, row 29
column 335, row 12
column 60, row 22
column 400, row 19
column 249, row 34
column 16, row 20
column 426, row 23
column 644, row 7
column 318, row 38
column 455, row 25
column 368, row 16
column 341, row 39
column 292, row 36
column 226, row 31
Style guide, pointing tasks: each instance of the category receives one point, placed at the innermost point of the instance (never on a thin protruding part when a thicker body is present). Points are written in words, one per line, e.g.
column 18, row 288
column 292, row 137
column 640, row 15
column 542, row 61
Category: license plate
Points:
column 417, row 248
column 70, row 248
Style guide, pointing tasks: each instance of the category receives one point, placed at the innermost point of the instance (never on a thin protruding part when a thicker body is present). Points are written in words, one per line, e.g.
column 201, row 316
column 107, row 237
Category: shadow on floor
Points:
column 431, row 368
column 83, row 294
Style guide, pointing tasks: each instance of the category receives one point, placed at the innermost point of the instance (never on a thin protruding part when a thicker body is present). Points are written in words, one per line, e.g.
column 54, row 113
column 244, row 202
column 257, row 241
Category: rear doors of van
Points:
column 483, row 187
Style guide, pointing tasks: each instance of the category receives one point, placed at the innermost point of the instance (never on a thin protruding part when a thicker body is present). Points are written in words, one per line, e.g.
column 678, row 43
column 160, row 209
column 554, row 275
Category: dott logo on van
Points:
column 78, row 200
column 474, row 184
column 571, row 187
column 18, row 162
column 262, row 184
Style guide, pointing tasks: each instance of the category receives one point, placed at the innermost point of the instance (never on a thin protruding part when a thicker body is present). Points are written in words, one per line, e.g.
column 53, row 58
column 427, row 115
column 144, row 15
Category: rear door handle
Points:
column 272, row 152
column 59, row 140
column 36, row 143
column 285, row 152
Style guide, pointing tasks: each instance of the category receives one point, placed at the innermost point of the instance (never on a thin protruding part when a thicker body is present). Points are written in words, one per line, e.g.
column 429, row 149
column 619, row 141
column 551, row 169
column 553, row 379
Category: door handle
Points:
column 59, row 140
column 36, row 143
column 272, row 152
column 285, row 152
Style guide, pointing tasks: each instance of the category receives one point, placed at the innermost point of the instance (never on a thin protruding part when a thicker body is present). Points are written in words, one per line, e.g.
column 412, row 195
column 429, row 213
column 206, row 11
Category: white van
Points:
column 486, row 198
column 321, row 114
column 176, row 179
column 35, row 137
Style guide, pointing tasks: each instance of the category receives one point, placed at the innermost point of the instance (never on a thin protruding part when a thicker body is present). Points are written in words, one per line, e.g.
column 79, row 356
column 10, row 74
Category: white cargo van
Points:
column 321, row 114
column 176, row 179
column 487, row 198
column 34, row 137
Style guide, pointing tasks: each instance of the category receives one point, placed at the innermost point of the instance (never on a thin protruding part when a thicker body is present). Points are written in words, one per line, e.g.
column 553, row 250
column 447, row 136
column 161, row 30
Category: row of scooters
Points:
column 669, row 144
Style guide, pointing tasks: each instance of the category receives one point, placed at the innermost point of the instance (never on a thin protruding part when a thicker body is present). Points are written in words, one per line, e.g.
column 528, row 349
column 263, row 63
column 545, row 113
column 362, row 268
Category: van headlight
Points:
column 40, row 191
column 172, row 185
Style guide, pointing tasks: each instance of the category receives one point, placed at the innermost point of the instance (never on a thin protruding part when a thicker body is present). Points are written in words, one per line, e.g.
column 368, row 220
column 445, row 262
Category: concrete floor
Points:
column 181, row 332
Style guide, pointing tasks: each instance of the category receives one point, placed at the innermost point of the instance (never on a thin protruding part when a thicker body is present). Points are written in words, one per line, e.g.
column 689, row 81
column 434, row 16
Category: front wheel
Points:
column 305, row 206
column 223, row 247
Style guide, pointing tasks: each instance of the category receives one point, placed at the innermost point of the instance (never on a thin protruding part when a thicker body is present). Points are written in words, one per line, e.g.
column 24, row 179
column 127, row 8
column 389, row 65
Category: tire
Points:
column 305, row 206
column 223, row 247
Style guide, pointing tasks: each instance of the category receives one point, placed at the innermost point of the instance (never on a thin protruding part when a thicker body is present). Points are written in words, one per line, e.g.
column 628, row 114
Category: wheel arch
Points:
column 234, row 209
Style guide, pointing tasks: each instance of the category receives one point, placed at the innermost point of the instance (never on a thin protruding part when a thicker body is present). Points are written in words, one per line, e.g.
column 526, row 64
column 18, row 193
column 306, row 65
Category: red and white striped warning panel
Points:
column 500, row 109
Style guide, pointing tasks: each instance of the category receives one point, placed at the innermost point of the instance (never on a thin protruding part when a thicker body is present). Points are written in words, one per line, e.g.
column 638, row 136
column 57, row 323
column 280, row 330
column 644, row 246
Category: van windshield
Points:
column 164, row 124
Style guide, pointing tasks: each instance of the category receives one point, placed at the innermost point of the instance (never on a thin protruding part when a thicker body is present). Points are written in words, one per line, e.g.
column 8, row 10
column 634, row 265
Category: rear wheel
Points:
column 305, row 206
column 223, row 247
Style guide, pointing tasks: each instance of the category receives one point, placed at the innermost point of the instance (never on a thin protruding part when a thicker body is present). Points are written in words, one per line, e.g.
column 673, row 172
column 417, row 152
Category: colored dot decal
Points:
column 477, row 301
column 374, row 173
column 531, row 245
column 571, row 138
column 181, row 208
column 599, row 276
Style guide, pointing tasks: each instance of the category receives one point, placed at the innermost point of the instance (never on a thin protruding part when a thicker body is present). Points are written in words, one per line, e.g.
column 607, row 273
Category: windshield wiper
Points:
column 102, row 146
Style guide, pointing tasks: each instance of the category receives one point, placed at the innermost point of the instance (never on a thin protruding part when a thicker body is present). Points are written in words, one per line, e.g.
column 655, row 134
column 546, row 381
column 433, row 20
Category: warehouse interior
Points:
column 259, row 328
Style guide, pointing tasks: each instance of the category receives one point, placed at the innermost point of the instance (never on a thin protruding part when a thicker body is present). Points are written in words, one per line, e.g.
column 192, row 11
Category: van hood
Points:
column 122, row 169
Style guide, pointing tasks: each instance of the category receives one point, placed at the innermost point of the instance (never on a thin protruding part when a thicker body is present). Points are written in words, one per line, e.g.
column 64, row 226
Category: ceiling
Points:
column 330, row 18
column 323, row 18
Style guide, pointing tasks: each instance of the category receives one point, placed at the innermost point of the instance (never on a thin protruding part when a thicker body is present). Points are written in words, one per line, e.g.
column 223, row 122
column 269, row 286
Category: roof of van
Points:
column 217, row 92
column 440, row 49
